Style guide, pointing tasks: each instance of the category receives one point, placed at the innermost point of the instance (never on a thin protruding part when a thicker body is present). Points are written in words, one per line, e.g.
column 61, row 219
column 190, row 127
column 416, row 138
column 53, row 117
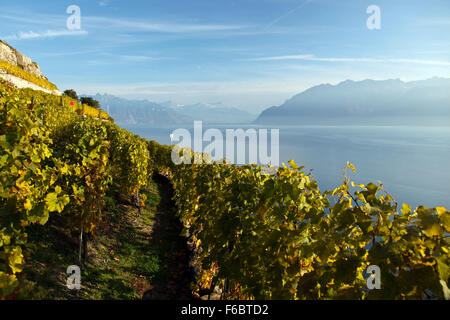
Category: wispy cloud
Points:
column 119, row 24
column 110, row 59
column 169, row 27
column 310, row 57
column 443, row 22
column 138, row 58
column 34, row 18
column 46, row 34
column 304, row 3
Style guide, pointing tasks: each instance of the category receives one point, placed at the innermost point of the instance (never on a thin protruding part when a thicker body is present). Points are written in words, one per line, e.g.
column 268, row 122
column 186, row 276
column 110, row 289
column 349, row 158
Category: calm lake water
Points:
column 412, row 162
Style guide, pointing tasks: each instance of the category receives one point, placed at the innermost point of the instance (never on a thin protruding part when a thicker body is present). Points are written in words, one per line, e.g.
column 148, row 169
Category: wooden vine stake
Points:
column 81, row 242
column 138, row 203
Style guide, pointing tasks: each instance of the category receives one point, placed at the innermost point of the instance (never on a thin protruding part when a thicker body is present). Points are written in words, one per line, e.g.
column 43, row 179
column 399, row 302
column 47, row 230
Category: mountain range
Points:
column 142, row 112
column 367, row 101
column 348, row 102
column 216, row 113
column 145, row 112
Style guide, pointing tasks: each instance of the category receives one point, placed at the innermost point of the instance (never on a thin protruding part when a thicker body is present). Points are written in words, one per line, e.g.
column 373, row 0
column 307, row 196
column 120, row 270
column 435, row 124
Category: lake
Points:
column 411, row 161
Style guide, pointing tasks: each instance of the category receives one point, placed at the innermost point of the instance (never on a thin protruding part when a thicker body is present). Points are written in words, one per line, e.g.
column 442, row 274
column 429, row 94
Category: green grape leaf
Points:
column 443, row 268
column 429, row 222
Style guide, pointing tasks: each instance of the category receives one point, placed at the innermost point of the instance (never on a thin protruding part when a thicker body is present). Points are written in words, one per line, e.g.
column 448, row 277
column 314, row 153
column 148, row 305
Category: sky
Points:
column 249, row 54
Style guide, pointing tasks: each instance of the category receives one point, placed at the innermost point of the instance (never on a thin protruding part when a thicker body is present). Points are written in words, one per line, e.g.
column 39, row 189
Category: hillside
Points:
column 75, row 187
column 78, row 190
column 18, row 69
column 368, row 101
column 67, row 179
column 11, row 55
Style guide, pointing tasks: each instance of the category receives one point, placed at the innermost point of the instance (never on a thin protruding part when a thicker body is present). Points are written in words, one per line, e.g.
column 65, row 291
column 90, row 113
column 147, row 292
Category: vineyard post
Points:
column 212, row 287
column 226, row 286
column 81, row 242
column 85, row 249
column 138, row 202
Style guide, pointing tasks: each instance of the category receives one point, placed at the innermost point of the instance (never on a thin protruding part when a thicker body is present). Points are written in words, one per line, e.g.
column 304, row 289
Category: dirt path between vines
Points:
column 176, row 274
column 133, row 256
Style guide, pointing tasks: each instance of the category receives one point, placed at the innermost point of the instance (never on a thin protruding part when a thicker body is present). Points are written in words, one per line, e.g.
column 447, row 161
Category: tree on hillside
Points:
column 71, row 93
column 90, row 102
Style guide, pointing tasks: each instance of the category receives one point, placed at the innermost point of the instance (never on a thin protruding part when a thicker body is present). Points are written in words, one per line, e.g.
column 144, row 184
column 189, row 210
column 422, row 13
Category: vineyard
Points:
column 19, row 72
column 256, row 236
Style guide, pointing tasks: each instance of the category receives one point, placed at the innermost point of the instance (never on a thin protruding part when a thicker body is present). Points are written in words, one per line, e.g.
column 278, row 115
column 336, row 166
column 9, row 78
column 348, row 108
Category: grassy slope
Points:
column 131, row 255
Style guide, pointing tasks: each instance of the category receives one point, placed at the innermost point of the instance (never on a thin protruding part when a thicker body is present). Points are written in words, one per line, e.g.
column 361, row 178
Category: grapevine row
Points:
column 54, row 161
column 259, row 236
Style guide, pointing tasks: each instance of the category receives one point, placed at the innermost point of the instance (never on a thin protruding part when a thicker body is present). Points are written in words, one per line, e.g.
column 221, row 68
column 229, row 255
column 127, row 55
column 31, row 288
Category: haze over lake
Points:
column 411, row 161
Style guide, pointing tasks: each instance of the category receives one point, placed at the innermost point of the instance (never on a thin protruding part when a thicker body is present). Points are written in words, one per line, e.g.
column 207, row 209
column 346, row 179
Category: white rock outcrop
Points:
column 21, row 83
column 14, row 57
column 18, row 59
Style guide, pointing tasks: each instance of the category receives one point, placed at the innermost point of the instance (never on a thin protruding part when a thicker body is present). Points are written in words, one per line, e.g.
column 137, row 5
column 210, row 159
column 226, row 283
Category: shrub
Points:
column 90, row 102
column 71, row 93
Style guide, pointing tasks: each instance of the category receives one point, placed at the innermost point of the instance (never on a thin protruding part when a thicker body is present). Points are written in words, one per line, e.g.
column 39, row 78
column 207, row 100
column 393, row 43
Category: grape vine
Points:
column 259, row 236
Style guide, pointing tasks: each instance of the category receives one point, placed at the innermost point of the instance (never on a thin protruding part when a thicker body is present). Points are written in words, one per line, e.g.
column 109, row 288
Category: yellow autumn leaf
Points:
column 7, row 283
column 64, row 169
column 433, row 230
column 4, row 239
column 351, row 166
column 15, row 258
column 27, row 205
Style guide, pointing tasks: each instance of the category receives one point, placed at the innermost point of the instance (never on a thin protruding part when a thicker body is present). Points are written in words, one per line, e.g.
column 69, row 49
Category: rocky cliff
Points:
column 31, row 76
column 11, row 55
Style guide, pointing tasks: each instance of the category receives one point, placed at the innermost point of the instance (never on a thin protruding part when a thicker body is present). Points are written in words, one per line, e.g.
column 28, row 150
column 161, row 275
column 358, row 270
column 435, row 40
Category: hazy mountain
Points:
column 141, row 112
column 215, row 113
column 367, row 101
column 144, row 112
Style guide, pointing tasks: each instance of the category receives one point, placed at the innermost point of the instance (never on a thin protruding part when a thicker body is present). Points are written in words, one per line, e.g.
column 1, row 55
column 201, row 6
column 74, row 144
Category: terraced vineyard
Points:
column 254, row 235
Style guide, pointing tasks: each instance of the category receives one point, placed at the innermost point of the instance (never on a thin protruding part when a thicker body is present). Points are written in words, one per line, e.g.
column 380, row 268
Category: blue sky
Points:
column 250, row 54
